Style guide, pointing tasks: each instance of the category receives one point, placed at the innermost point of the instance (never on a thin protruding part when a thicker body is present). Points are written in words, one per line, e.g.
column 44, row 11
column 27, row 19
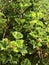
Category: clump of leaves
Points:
column 24, row 32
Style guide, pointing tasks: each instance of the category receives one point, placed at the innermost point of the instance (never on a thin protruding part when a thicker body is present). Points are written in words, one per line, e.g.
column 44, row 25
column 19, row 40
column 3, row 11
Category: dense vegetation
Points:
column 24, row 32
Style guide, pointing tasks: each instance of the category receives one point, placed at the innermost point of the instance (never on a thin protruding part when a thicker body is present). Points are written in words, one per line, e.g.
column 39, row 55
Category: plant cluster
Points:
column 24, row 32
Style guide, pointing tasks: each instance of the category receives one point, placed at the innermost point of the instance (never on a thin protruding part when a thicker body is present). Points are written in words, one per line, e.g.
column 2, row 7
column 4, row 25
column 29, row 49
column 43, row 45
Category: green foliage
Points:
column 24, row 32
column 26, row 62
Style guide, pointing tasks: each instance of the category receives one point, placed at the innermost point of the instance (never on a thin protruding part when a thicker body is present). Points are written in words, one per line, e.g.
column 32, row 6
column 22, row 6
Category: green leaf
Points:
column 25, row 62
column 19, row 43
column 1, row 14
column 33, row 14
column 13, row 43
column 33, row 34
column 23, row 50
column 39, row 15
column 33, row 21
column 17, row 35
column 15, row 49
column 39, row 44
column 33, row 43
column 40, row 23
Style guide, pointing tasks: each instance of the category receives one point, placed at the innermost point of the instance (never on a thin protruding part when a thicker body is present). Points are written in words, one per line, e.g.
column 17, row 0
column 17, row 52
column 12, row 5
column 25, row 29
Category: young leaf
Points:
column 17, row 35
